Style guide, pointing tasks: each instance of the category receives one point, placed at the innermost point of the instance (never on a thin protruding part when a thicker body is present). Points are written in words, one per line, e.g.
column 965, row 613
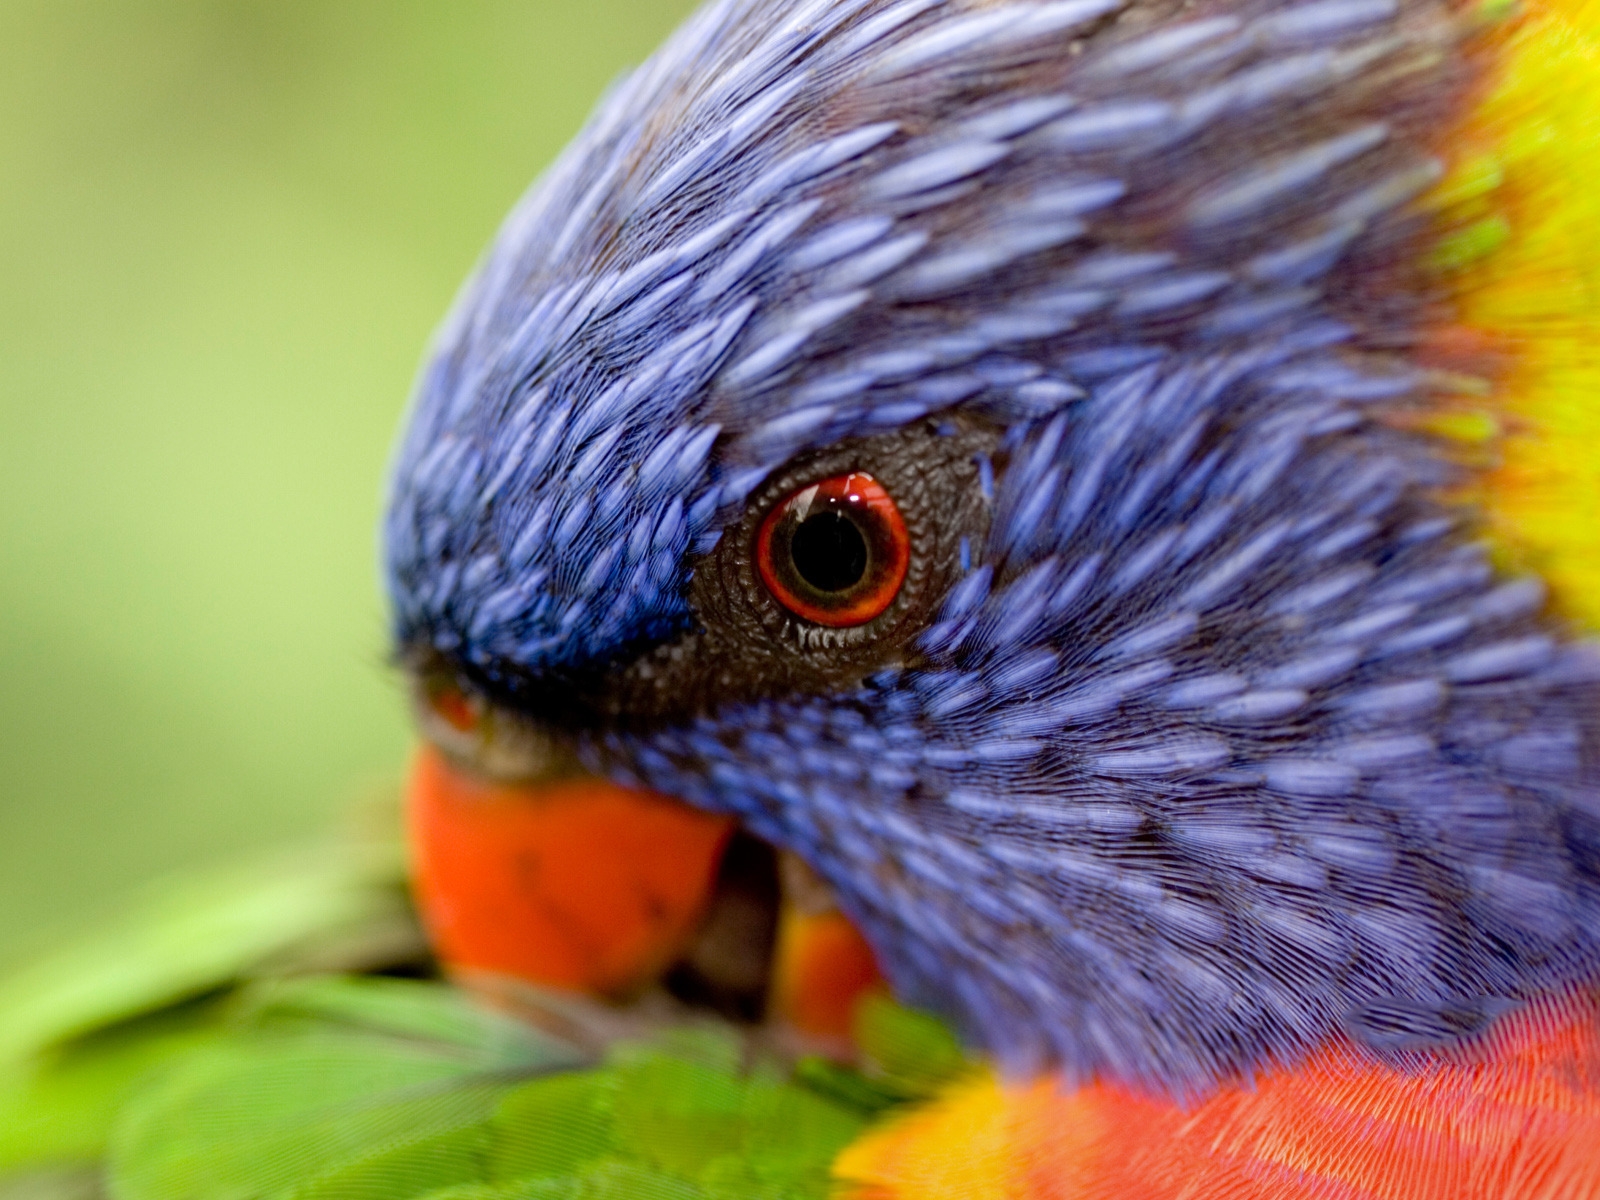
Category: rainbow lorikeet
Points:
column 1080, row 514
column 1032, row 463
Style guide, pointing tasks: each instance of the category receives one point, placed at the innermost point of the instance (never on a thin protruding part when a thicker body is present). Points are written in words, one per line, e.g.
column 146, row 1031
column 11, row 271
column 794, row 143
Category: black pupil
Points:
column 829, row 552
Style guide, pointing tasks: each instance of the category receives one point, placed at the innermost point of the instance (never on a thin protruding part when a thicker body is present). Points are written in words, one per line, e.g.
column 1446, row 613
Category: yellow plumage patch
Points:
column 979, row 1140
column 1522, row 207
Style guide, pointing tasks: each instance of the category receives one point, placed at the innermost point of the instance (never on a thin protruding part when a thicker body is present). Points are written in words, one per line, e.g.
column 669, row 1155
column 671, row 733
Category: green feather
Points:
column 298, row 1107
column 172, row 1070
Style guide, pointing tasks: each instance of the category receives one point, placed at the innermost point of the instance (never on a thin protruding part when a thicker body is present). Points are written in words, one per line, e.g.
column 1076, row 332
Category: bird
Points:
column 1106, row 486
column 1000, row 598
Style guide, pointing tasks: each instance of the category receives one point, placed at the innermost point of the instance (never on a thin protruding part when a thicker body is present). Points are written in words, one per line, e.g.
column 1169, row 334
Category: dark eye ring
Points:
column 835, row 552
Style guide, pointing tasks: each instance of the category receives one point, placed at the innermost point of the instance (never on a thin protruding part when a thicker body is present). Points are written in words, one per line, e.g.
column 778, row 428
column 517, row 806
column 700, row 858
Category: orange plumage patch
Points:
column 1517, row 1118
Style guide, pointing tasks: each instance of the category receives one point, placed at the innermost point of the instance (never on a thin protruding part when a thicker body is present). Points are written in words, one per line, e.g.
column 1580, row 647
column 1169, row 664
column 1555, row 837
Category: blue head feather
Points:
column 1229, row 737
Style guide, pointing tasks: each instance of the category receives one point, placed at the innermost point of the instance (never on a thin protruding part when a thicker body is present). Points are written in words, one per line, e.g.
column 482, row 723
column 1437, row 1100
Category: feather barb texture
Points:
column 1519, row 1116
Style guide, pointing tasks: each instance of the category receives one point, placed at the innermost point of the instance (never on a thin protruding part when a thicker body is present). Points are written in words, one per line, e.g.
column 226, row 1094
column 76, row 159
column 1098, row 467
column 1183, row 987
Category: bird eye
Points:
column 835, row 552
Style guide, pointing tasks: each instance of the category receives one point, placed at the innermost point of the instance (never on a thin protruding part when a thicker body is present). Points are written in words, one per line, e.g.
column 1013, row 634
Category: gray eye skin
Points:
column 748, row 645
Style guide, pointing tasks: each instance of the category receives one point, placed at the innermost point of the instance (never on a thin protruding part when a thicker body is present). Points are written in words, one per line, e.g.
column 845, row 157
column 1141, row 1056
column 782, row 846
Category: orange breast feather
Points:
column 1517, row 1119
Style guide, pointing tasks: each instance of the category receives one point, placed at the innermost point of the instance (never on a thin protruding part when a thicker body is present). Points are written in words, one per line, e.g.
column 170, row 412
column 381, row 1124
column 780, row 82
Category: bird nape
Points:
column 989, row 450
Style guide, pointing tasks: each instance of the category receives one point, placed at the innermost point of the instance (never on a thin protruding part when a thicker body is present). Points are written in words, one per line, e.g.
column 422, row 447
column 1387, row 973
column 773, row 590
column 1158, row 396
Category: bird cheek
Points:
column 572, row 883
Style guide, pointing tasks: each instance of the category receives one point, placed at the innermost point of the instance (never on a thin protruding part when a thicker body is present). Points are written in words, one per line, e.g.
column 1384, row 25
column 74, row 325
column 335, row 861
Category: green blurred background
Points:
column 226, row 230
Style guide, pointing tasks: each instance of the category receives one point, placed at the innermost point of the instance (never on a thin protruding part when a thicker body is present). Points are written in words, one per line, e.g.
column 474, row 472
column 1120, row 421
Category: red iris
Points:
column 836, row 552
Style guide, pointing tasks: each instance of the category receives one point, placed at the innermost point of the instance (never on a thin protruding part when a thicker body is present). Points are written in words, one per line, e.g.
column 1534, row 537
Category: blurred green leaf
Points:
column 412, row 1011
column 331, row 1088
column 59, row 1108
column 63, row 1183
column 267, row 1117
column 190, row 937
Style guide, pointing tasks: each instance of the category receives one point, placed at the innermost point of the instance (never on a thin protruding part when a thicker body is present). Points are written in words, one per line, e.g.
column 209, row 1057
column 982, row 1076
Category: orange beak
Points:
column 581, row 885
column 572, row 883
column 823, row 969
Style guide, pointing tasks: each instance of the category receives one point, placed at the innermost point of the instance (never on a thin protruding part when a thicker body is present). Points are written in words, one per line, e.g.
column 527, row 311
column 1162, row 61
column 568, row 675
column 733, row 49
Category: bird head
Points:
column 963, row 442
